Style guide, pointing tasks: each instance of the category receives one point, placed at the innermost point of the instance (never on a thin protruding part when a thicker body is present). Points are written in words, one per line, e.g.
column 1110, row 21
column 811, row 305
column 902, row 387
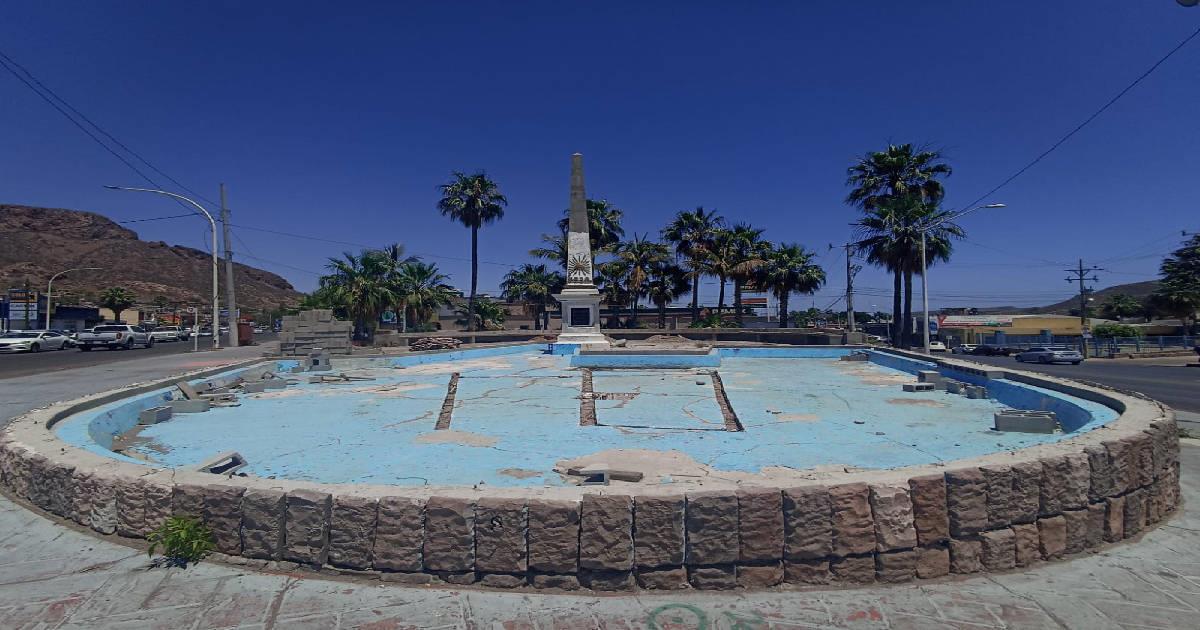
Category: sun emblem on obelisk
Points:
column 579, row 267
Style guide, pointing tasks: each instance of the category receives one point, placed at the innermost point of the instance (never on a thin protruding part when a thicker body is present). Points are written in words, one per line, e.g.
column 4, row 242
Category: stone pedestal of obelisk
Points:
column 580, row 299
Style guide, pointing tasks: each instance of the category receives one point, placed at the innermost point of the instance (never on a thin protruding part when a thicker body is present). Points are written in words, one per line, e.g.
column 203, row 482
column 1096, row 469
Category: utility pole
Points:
column 1080, row 275
column 851, row 270
column 230, row 297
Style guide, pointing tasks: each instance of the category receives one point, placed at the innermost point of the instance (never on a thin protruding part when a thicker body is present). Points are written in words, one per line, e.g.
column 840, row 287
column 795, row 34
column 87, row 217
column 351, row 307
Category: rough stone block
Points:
column 808, row 524
column 966, row 501
column 1114, row 519
column 306, row 537
column 1027, row 491
column 712, row 528
column 606, row 533
column 999, row 483
column 553, row 536
column 713, row 578
column 555, row 581
column 1095, row 524
column 760, row 526
column 1135, row 512
column 930, row 517
column 892, row 512
column 1102, row 480
column 933, row 562
column 103, row 504
column 1078, row 481
column 1054, row 485
column 81, row 499
column 1028, row 543
column 222, row 512
column 853, row 569
column 187, row 500
column 39, row 481
column 966, row 556
column 501, row 580
column 131, row 507
column 1120, row 456
column 500, row 536
column 670, row 579
column 760, row 575
column 999, row 549
column 806, row 571
column 606, row 580
column 352, row 531
column 1143, row 450
column 853, row 528
column 262, row 523
column 1053, row 534
column 658, row 532
column 159, row 503
column 896, row 566
column 61, row 489
column 449, row 535
column 461, row 578
column 399, row 534
column 1077, row 530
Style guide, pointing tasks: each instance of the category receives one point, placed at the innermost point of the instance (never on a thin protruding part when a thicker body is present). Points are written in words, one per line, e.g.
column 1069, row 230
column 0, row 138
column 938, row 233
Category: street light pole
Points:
column 924, row 270
column 216, row 308
column 50, row 289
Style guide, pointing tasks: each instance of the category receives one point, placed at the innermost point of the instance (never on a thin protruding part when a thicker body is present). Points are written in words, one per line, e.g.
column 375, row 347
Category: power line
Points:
column 1086, row 121
column 173, row 216
column 363, row 245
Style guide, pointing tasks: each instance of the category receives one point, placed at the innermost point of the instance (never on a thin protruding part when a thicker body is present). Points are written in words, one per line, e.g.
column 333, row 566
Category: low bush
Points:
column 184, row 540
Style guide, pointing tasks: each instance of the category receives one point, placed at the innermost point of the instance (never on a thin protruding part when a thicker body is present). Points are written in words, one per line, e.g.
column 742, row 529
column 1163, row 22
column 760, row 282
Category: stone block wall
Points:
column 301, row 334
column 965, row 520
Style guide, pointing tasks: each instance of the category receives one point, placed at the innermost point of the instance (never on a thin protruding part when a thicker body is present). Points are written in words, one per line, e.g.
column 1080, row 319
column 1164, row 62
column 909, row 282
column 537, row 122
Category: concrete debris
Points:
column 226, row 463
column 918, row 387
column 1026, row 421
column 314, row 330
column 154, row 415
column 434, row 343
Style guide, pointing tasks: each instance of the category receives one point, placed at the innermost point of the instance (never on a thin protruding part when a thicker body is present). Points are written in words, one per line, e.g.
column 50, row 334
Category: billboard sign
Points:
column 976, row 321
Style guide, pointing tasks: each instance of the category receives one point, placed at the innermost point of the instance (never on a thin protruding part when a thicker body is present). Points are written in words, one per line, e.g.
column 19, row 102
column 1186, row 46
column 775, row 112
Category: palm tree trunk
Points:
column 721, row 296
column 783, row 310
column 474, row 278
column 695, row 295
column 908, row 297
column 897, row 316
column 633, row 309
column 662, row 315
column 737, row 302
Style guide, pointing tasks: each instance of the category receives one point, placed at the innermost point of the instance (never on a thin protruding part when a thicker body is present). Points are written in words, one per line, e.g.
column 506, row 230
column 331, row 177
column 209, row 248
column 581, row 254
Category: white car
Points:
column 964, row 348
column 33, row 341
column 169, row 333
column 937, row 346
column 1047, row 354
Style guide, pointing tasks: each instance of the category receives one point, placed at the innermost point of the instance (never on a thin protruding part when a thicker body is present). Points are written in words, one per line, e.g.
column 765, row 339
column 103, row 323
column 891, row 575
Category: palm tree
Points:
column 604, row 225
column 666, row 282
column 612, row 280
column 474, row 201
column 361, row 284
column 788, row 269
column 420, row 288
column 1121, row 305
column 749, row 252
column 691, row 232
column 884, row 185
column 489, row 315
column 639, row 256
column 117, row 300
column 555, row 249
column 536, row 285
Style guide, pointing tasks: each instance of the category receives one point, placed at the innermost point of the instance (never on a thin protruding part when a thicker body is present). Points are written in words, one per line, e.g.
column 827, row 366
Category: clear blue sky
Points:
column 339, row 120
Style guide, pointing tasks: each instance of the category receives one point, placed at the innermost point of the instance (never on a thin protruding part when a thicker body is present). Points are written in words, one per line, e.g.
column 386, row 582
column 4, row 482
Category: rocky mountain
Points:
column 36, row 243
column 1138, row 290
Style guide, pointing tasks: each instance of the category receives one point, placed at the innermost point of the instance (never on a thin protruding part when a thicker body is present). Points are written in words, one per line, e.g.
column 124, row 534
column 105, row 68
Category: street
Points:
column 12, row 365
column 1168, row 380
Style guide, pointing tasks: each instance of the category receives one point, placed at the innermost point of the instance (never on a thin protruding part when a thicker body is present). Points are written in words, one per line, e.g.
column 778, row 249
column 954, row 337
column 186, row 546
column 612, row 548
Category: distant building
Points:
column 974, row 328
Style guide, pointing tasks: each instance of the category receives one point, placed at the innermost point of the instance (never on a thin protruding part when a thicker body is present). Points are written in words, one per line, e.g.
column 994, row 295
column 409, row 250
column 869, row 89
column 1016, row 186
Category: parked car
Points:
column 69, row 334
column 964, row 348
column 1050, row 354
column 937, row 346
column 32, row 341
column 991, row 351
column 169, row 333
column 115, row 337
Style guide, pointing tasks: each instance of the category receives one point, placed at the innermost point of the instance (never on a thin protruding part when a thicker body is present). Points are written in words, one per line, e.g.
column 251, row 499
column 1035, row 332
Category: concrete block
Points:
column 190, row 406
column 159, row 504
column 668, row 579
column 853, row 569
column 930, row 516
column 154, row 415
column 808, row 523
column 1102, row 480
column 933, row 562
column 976, row 392
column 712, row 528
column 718, row 577
column 352, row 531
column 853, row 527
column 254, row 387
column 188, row 500
column 553, row 536
column 896, row 566
column 399, row 534
column 892, row 512
column 929, row 376
column 131, row 507
column 1027, row 491
column 1012, row 420
column 1077, row 530
column 1028, row 543
column 760, row 575
column 606, row 533
column 598, row 580
column 223, row 515
column 917, row 387
column 1135, row 512
column 1053, row 534
column 500, row 536
column 103, row 503
column 998, row 550
column 966, row 556
column 658, row 531
column 966, row 501
column 760, row 526
column 814, row 572
column 263, row 513
column 449, row 534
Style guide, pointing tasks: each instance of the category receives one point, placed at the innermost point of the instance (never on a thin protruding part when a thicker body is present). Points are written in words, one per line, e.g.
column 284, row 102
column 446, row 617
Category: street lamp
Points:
column 924, row 282
column 50, row 289
column 216, row 308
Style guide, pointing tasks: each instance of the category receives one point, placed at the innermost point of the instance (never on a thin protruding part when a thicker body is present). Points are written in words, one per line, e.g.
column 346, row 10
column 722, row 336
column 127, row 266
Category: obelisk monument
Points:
column 580, row 299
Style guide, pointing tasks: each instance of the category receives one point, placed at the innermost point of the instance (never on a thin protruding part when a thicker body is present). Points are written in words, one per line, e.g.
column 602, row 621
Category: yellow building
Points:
column 972, row 328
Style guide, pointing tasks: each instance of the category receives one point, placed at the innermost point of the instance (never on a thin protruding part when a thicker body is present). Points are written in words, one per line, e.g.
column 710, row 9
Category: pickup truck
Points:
column 169, row 333
column 114, row 337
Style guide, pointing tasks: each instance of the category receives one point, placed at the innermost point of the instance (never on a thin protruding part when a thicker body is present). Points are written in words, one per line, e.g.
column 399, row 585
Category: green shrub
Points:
column 184, row 540
column 1106, row 331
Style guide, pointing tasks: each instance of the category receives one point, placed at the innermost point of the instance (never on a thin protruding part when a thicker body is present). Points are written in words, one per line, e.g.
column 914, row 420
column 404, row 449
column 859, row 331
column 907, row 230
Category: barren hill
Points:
column 1138, row 290
column 36, row 243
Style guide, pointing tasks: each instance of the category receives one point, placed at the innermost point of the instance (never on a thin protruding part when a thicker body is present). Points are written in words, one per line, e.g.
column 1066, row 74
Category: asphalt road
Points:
column 1166, row 380
column 14, row 365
